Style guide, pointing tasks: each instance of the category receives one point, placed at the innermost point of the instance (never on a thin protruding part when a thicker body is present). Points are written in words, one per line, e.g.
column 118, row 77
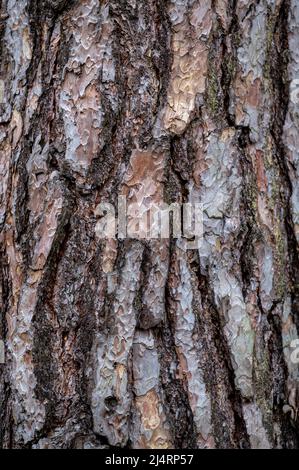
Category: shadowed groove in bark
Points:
column 176, row 399
column 210, row 319
column 279, row 65
column 280, row 83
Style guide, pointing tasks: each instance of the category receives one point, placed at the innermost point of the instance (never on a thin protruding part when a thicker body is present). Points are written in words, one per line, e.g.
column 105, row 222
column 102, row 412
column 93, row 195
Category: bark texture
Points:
column 132, row 343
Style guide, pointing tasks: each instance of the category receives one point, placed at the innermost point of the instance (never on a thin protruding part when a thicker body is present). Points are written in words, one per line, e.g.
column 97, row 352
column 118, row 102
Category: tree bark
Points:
column 140, row 343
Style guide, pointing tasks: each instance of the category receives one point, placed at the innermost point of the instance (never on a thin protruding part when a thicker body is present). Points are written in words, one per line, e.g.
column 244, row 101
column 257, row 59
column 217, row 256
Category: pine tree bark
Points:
column 134, row 343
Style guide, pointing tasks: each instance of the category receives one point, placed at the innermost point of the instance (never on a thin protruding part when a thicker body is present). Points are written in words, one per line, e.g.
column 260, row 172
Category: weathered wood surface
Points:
column 142, row 344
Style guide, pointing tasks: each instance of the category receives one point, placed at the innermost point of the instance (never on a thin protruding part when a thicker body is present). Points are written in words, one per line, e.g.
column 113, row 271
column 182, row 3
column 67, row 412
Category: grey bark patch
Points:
column 2, row 352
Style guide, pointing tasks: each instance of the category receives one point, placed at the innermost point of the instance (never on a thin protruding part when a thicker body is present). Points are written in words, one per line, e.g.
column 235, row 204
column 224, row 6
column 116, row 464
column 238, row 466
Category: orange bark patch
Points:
column 145, row 164
column 260, row 171
column 254, row 93
column 153, row 425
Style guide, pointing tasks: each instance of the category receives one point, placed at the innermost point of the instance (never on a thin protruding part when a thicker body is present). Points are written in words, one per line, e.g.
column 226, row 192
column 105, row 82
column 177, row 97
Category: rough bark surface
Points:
column 132, row 343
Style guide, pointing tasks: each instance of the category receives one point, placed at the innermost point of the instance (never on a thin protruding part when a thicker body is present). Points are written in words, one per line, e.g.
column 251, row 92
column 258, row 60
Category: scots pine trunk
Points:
column 140, row 343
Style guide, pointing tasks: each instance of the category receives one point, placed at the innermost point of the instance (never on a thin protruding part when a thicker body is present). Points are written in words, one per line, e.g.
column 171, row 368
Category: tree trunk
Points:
column 141, row 343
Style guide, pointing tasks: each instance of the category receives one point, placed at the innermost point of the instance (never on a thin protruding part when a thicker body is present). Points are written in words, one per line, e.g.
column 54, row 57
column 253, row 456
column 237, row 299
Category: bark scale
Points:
column 134, row 343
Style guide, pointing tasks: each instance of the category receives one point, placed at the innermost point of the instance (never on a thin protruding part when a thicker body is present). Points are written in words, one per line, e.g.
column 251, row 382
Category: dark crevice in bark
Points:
column 246, row 255
column 5, row 291
column 280, row 84
column 45, row 368
column 280, row 88
column 162, row 53
column 5, row 392
column 60, row 409
column 180, row 166
column 175, row 399
column 57, row 7
column 146, row 264
column 229, row 61
column 289, row 435
column 176, row 402
column 250, row 232
column 6, row 418
column 3, row 18
column 37, row 21
column 214, row 97
column 23, row 228
column 216, row 344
